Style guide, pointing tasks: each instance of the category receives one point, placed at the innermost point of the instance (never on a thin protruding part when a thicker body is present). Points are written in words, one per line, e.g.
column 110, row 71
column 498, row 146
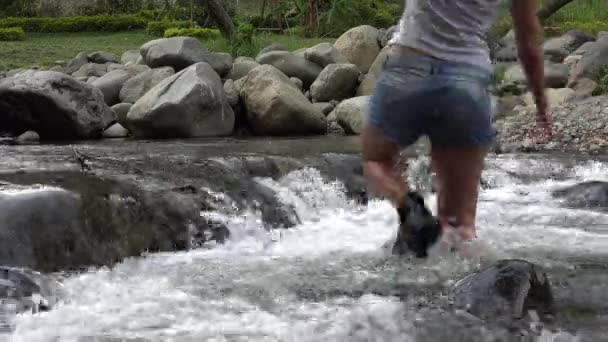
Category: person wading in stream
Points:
column 435, row 82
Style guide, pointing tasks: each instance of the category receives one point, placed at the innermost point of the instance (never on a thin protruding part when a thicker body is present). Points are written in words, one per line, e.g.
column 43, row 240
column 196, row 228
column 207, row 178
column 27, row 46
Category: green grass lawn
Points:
column 43, row 49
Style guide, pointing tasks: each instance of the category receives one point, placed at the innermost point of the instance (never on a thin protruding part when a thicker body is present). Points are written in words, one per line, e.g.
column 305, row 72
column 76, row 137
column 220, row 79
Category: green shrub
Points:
column 200, row 33
column 102, row 23
column 345, row 14
column 299, row 31
column 158, row 28
column 12, row 34
column 602, row 84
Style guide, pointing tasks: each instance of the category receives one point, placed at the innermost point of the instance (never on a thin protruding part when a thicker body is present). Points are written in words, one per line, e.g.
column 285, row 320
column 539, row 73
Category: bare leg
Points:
column 458, row 172
column 379, row 159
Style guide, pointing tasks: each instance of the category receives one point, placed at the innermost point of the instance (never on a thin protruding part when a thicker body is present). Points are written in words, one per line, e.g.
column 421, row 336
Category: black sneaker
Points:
column 418, row 228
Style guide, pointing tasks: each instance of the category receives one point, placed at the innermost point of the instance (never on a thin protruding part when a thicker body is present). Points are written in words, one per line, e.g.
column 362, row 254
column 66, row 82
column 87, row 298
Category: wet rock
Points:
column 116, row 131
column 275, row 106
column 507, row 289
column 336, row 82
column 298, row 83
column 556, row 75
column 350, row 114
column 191, row 103
column 241, row 67
column 360, row 46
column 130, row 56
column 26, row 290
column 136, row 87
column 79, row 220
column 110, row 85
column 324, row 54
column 559, row 47
column 76, row 63
column 270, row 48
column 54, row 105
column 29, row 137
column 91, row 69
column 324, row 107
column 102, row 57
column 593, row 194
column 121, row 110
column 232, row 94
column 368, row 83
column 292, row 65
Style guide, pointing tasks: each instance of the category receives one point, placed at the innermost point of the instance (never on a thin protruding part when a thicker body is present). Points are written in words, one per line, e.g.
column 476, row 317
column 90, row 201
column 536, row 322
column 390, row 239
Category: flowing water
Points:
column 329, row 279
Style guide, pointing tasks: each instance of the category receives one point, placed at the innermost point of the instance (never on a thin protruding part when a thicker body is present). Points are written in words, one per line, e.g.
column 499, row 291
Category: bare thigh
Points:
column 458, row 173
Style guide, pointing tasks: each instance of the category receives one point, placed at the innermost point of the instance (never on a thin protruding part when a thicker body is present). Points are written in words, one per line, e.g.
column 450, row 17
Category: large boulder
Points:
column 241, row 67
column 53, row 104
column 507, row 289
column 360, row 46
column 138, row 86
column 556, row 75
column 270, row 48
column 102, row 57
column 559, row 47
column 336, row 82
column 324, row 54
column 351, row 114
column 91, row 69
column 191, row 103
column 592, row 194
column 110, row 85
column 371, row 78
column 292, row 65
column 121, row 110
column 275, row 106
column 181, row 52
column 592, row 61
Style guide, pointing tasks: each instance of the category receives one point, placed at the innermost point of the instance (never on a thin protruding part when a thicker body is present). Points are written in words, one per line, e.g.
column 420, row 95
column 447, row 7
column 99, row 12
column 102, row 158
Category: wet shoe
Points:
column 418, row 228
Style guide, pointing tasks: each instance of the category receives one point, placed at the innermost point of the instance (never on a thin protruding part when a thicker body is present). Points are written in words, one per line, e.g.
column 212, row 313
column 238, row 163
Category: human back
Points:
column 453, row 30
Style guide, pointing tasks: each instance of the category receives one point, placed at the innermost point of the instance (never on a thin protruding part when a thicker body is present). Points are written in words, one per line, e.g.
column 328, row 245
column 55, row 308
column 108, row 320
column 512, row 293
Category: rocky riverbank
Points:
column 177, row 88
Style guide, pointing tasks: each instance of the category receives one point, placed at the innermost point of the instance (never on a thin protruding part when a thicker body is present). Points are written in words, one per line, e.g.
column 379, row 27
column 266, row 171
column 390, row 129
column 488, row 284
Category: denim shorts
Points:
column 420, row 95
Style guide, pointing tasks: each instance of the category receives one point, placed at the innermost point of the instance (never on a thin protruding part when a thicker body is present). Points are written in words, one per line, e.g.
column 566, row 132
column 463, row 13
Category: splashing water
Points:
column 328, row 279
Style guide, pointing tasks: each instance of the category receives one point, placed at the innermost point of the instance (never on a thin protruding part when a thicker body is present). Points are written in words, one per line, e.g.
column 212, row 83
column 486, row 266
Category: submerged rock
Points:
column 507, row 289
column 593, row 194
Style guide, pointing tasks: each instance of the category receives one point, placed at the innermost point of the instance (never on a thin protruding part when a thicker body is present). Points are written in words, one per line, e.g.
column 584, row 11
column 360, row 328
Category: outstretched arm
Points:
column 528, row 35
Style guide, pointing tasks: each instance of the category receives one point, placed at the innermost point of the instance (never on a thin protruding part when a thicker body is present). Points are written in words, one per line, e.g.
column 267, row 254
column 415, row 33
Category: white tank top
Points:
column 453, row 30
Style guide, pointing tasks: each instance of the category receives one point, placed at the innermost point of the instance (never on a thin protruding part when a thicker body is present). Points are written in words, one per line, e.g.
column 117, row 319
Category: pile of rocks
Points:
column 177, row 88
column 573, row 67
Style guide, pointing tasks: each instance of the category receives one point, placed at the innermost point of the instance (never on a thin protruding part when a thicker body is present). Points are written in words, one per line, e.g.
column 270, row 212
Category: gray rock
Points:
column 584, row 87
column 14, row 72
column 351, row 113
column 371, row 78
column 85, row 79
column 116, row 131
column 300, row 52
column 592, row 62
column 136, row 87
column 76, row 63
column 121, row 110
column 507, row 289
column 191, row 103
column 591, row 194
column 110, row 85
column 298, row 83
column 239, row 83
column 556, row 75
column 336, row 82
column 360, row 46
column 136, row 69
column 275, row 106
column 28, row 137
column 102, row 57
column 220, row 62
column 2, row 74
column 28, row 291
column 91, row 69
column 559, row 47
column 324, row 54
column 53, row 104
column 115, row 66
column 270, row 48
column 130, row 56
column 324, row 107
column 334, row 128
column 241, row 67
column 140, row 60
column 92, row 79
column 292, row 65
column 58, row 68
column 387, row 35
column 232, row 94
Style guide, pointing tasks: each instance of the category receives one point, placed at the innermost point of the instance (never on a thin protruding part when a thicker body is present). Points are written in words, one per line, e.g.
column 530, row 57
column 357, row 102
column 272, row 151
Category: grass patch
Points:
column 42, row 49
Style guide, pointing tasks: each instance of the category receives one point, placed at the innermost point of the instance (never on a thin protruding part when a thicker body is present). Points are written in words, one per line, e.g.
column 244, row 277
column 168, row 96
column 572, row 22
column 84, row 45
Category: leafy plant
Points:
column 158, row 28
column 200, row 33
column 12, row 34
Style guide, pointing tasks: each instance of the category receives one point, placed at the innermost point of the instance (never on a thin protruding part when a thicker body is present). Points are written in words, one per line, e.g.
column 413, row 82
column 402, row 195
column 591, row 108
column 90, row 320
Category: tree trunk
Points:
column 312, row 16
column 550, row 8
column 220, row 16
